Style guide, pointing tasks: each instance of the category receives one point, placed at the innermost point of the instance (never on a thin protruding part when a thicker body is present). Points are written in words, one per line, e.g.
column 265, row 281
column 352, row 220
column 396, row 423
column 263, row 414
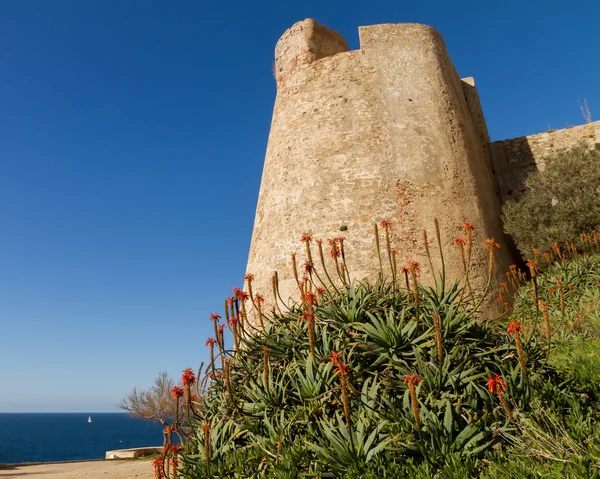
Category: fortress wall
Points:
column 516, row 158
column 474, row 106
column 316, row 176
column 437, row 162
column 383, row 132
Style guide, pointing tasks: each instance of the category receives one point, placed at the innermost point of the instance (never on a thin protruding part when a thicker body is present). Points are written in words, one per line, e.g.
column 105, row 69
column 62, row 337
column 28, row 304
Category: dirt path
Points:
column 113, row 469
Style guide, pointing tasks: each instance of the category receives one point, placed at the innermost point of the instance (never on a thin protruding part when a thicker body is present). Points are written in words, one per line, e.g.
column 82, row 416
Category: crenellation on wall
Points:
column 302, row 44
column 516, row 158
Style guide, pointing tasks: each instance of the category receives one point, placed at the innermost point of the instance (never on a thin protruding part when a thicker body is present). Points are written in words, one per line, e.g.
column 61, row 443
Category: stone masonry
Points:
column 388, row 131
column 516, row 158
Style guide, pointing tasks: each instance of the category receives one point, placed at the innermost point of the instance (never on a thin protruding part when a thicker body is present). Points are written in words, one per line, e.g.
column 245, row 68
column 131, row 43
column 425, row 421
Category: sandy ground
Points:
column 112, row 469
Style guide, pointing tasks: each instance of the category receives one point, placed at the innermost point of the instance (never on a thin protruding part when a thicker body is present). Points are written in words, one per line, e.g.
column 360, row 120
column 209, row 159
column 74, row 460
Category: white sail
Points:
column 89, row 418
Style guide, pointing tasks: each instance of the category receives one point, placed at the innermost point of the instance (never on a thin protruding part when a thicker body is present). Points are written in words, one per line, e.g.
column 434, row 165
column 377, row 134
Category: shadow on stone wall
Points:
column 514, row 160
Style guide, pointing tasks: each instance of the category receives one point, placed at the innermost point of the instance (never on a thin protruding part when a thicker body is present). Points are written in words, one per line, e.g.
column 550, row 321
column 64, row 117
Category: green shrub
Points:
column 400, row 380
column 561, row 202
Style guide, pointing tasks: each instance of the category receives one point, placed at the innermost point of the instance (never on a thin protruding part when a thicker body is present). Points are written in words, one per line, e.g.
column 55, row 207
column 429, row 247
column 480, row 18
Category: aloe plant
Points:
column 391, row 381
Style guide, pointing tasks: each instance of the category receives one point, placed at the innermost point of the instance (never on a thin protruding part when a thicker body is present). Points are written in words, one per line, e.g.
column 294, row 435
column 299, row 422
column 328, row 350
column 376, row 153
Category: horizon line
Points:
column 64, row 412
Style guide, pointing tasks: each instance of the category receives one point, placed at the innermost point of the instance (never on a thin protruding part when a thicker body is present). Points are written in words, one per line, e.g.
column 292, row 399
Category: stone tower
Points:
column 388, row 131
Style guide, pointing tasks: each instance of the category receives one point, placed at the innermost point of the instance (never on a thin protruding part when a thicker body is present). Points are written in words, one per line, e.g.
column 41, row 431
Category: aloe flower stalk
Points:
column 497, row 386
column 177, row 394
column 490, row 244
column 266, row 366
column 343, row 271
column 343, row 371
column 411, row 380
column 386, row 226
column 158, row 465
column 259, row 301
column 233, row 326
column 427, row 252
column 378, row 248
column 207, row 451
column 227, row 376
column 214, row 317
column 295, row 270
column 533, row 272
column 561, row 294
column 240, row 298
column 460, row 243
column 221, row 341
column 515, row 328
column 210, row 342
column 438, row 236
column 415, row 269
column 344, row 262
column 275, row 288
column 249, row 278
column 227, row 302
column 395, row 264
column 405, row 270
column 308, row 301
column 544, row 308
column 439, row 339
column 188, row 379
column 322, row 259
column 307, row 239
column 556, row 249
column 336, row 252
column 468, row 229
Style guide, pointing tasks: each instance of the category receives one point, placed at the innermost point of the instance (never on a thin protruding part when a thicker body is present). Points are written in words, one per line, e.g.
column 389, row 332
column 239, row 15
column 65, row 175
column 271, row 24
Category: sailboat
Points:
column 89, row 418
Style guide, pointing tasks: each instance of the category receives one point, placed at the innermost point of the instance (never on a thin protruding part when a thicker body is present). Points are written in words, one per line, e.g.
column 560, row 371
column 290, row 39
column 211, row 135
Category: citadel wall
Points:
column 388, row 131
column 516, row 158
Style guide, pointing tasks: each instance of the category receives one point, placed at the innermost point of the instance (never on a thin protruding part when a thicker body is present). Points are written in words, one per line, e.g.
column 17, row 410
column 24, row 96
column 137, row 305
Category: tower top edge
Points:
column 307, row 41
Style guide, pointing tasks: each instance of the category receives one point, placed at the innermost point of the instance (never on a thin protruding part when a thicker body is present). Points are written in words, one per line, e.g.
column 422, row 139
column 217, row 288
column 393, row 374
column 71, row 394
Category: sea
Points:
column 52, row 437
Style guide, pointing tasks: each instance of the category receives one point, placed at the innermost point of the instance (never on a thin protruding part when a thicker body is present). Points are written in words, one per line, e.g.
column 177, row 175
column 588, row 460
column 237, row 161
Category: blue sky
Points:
column 132, row 137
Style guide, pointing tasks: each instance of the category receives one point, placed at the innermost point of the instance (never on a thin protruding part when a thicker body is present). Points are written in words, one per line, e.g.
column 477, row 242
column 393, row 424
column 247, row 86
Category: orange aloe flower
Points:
column 310, row 298
column 491, row 243
column 308, row 267
column 240, row 294
column 515, row 327
column 177, row 392
column 306, row 237
column 158, row 463
column 188, row 377
column 411, row 379
column 336, row 358
column 414, row 266
column 335, row 250
column 495, row 384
